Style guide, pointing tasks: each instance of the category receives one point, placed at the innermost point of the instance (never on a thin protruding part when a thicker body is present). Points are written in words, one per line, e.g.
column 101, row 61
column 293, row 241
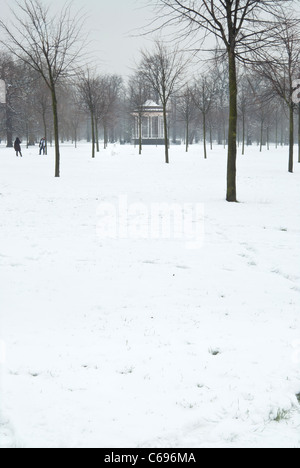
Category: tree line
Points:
column 99, row 108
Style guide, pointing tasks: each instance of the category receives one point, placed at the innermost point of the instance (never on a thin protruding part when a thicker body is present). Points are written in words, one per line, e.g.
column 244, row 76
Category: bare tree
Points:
column 139, row 94
column 244, row 104
column 203, row 93
column 29, row 96
column 261, row 97
column 240, row 26
column 162, row 69
column 280, row 66
column 13, row 90
column 49, row 44
column 42, row 107
column 221, row 100
column 187, row 111
column 75, row 113
column 89, row 90
column 110, row 87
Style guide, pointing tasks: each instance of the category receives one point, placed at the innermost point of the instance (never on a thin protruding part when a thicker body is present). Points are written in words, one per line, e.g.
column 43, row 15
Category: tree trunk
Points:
column 97, row 136
column 204, row 135
column 210, row 137
column 243, row 135
column 56, row 132
column 93, row 133
column 232, row 149
column 291, row 138
column 187, row 136
column 166, row 133
column 88, row 135
column 27, row 136
column 105, row 135
column 140, row 135
column 261, row 135
column 45, row 133
column 219, row 136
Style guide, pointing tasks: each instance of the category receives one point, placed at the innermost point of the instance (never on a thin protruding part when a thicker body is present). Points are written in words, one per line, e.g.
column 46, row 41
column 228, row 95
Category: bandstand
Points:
column 151, row 115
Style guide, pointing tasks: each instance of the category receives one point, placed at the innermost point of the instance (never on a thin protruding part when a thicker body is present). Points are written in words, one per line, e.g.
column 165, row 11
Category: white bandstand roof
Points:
column 152, row 104
column 150, row 109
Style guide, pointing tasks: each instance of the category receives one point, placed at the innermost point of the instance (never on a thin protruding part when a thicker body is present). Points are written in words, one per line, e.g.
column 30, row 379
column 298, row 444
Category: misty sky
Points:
column 110, row 24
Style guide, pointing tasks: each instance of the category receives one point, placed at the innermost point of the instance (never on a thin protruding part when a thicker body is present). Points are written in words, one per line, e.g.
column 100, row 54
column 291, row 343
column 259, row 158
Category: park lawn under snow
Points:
column 146, row 342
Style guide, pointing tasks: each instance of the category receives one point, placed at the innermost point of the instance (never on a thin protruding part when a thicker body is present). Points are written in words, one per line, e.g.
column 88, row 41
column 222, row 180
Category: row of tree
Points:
column 246, row 94
column 99, row 107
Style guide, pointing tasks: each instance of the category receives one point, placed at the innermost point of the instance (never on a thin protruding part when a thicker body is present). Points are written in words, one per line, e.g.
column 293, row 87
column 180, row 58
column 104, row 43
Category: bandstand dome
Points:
column 152, row 105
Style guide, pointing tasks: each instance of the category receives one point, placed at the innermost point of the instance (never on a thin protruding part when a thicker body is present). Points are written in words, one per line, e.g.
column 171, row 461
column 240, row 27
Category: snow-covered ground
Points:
column 146, row 342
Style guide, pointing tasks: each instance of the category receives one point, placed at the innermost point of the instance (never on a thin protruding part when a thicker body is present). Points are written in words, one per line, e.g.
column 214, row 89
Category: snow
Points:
column 144, row 342
column 151, row 104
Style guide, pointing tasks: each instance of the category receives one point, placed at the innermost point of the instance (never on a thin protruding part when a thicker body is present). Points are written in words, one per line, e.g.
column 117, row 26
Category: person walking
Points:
column 17, row 147
column 43, row 145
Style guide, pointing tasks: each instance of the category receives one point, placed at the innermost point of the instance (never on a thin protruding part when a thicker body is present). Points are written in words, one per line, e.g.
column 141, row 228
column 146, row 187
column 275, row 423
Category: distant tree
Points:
column 75, row 113
column 187, row 111
column 28, row 88
column 163, row 69
column 221, row 97
column 245, row 102
column 48, row 44
column 261, row 97
column 280, row 66
column 89, row 92
column 203, row 95
column 100, row 94
column 139, row 94
column 110, row 89
column 43, row 106
column 9, row 73
column 277, row 119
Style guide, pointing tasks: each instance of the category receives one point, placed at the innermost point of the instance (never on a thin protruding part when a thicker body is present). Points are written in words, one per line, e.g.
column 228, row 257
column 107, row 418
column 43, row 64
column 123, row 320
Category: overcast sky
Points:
column 110, row 24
